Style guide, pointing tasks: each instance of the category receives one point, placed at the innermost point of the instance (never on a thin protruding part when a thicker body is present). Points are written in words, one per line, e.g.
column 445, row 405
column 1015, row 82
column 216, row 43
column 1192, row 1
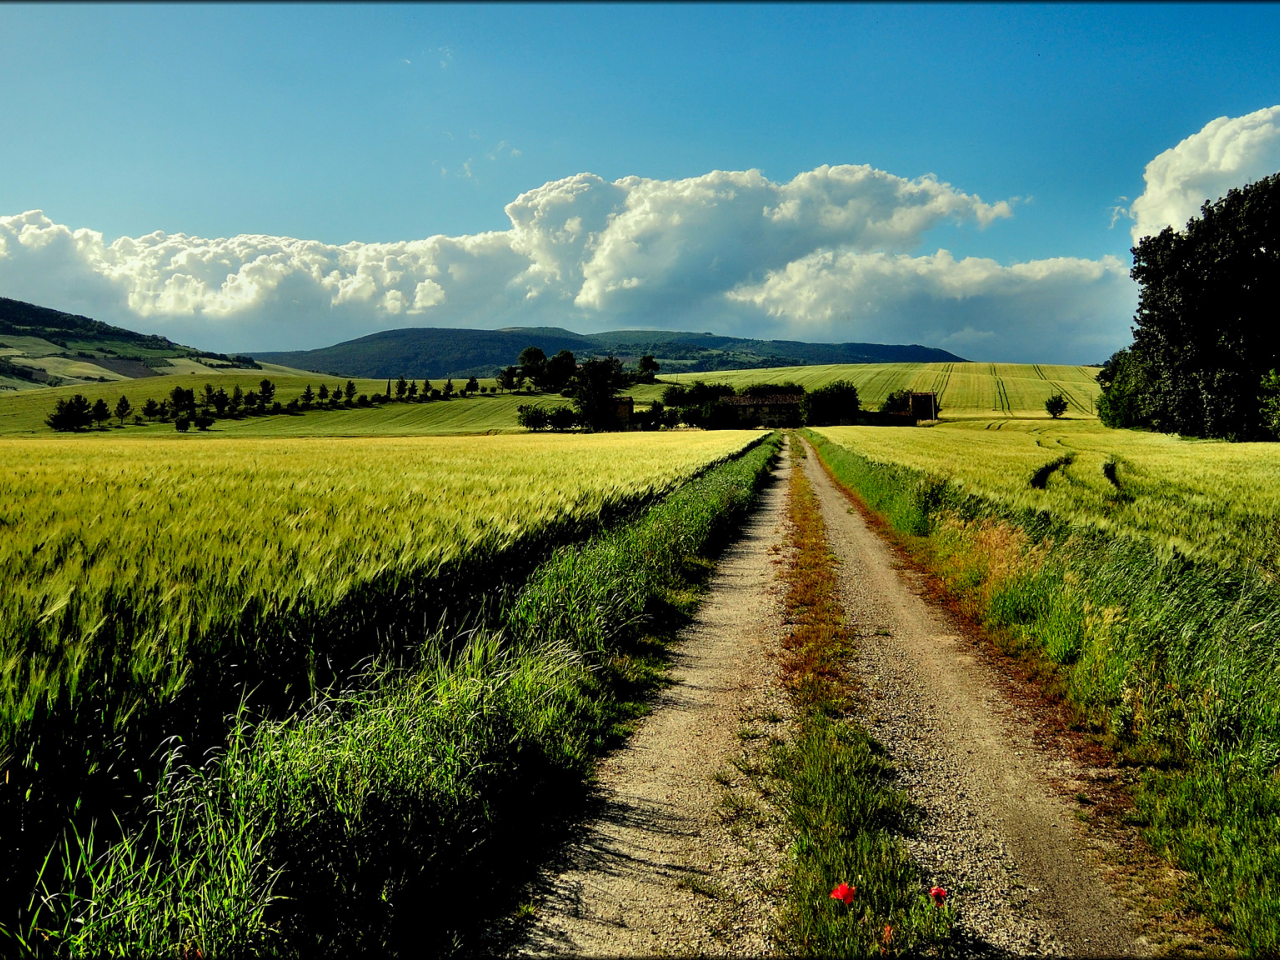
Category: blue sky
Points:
column 397, row 123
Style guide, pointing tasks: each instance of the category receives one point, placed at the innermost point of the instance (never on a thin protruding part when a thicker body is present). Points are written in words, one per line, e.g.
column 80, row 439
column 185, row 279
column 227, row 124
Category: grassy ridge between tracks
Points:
column 845, row 816
column 1173, row 660
column 398, row 817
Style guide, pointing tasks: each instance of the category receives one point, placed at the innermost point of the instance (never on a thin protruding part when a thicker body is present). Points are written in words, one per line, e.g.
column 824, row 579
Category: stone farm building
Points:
column 773, row 410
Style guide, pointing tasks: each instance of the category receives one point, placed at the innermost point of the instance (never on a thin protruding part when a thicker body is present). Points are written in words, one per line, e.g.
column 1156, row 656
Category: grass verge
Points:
column 845, row 815
column 1173, row 664
column 399, row 817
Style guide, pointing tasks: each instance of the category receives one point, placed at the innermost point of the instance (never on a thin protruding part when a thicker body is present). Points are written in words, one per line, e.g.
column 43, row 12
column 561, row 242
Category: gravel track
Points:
column 679, row 859
column 993, row 830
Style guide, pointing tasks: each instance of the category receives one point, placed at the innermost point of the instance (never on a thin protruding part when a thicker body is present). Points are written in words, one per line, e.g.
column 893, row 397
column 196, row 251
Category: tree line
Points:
column 1206, row 344
column 717, row 406
column 184, row 407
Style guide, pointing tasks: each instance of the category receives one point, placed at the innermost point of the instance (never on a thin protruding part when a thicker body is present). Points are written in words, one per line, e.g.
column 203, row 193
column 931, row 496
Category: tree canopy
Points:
column 594, row 387
column 1206, row 333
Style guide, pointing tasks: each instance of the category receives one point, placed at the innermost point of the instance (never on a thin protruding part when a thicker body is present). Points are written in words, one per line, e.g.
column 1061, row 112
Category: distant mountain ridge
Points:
column 435, row 352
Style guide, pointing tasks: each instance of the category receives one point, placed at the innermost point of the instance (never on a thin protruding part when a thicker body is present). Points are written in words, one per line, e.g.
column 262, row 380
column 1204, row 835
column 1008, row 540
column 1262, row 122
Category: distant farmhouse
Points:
column 771, row 410
column 924, row 406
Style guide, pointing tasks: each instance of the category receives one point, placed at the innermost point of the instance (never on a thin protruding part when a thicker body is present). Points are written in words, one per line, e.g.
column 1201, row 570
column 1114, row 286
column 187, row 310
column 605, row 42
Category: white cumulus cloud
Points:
column 826, row 255
column 1064, row 308
column 1228, row 152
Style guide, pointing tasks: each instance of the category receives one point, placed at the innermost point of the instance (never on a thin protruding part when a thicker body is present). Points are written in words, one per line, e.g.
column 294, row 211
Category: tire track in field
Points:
column 993, row 830
column 1001, row 393
column 945, row 376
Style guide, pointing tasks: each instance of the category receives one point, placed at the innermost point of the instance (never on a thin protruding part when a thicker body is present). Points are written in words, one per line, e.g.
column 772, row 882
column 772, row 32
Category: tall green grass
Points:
column 394, row 818
column 1175, row 661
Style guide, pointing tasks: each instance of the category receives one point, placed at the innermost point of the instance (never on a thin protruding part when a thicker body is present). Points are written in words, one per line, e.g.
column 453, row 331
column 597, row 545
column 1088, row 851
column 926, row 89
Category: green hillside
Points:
column 435, row 352
column 41, row 348
column 965, row 389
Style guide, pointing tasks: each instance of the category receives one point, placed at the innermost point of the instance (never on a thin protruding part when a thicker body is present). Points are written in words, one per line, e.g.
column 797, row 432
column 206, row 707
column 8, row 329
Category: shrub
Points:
column 532, row 417
column 562, row 419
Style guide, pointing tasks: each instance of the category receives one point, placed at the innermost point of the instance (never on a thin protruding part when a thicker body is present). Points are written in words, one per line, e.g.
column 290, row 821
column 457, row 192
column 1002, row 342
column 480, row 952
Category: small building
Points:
column 771, row 410
column 924, row 406
column 624, row 409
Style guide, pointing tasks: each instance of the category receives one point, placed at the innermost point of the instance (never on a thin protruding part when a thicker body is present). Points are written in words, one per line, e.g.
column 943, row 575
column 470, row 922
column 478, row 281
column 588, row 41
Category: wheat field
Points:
column 1209, row 499
column 965, row 390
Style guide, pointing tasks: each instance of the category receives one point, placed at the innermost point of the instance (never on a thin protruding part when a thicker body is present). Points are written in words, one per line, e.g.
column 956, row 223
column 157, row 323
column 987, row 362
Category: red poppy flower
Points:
column 844, row 893
column 939, row 894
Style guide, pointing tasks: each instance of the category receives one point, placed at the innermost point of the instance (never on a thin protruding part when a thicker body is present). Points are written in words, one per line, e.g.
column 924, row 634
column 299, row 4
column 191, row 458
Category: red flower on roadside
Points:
column 939, row 894
column 844, row 893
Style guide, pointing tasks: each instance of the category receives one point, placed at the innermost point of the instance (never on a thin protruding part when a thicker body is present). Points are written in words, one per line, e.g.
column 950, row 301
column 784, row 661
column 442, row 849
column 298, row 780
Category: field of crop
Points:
column 1209, row 499
column 965, row 390
column 1143, row 569
column 148, row 589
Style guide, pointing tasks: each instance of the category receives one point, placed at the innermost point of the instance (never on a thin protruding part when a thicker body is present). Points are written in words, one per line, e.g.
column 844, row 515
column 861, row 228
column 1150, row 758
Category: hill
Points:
column 41, row 347
column 443, row 352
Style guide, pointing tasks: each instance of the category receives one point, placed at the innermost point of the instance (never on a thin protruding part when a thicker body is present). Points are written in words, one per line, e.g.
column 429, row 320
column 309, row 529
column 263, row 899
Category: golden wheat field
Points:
column 1210, row 499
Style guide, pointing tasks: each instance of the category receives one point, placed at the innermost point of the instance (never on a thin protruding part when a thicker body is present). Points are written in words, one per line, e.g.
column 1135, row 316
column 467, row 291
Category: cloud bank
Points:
column 826, row 256
column 1228, row 152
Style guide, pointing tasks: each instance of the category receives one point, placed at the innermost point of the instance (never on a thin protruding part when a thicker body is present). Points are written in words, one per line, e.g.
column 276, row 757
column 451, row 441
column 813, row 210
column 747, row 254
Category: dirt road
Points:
column 664, row 868
column 994, row 832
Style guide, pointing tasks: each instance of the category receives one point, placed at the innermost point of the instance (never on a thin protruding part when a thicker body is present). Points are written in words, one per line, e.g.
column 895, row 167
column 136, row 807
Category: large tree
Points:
column 647, row 369
column 1207, row 330
column 594, row 387
column 533, row 364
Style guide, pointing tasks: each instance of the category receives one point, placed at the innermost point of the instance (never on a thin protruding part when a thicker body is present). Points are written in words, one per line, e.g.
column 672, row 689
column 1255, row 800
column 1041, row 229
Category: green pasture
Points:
column 967, row 391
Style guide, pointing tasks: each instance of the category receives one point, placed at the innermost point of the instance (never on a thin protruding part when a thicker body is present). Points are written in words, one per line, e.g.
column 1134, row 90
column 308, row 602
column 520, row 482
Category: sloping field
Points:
column 1210, row 499
column 965, row 390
